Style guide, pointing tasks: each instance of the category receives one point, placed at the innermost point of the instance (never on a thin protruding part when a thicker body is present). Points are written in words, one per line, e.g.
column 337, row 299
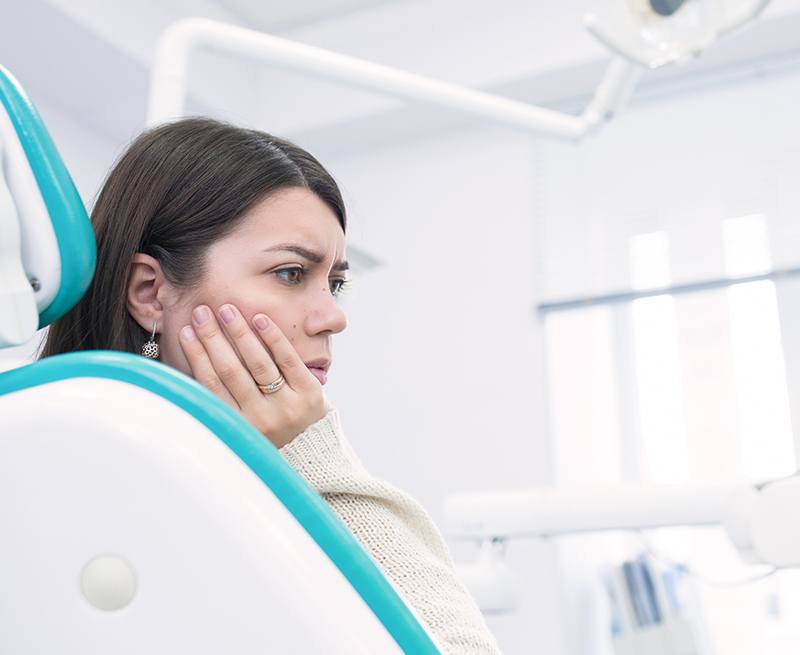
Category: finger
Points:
column 252, row 352
column 224, row 359
column 202, row 370
column 284, row 354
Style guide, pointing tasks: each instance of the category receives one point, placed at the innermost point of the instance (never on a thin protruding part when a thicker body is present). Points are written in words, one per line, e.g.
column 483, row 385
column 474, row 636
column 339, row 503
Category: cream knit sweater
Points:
column 396, row 531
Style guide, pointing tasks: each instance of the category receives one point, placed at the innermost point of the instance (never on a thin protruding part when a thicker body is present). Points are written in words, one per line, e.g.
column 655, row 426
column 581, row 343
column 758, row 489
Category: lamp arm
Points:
column 760, row 520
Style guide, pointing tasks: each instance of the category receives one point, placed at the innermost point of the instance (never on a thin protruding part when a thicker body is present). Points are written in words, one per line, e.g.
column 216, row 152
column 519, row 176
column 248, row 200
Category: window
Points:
column 683, row 388
column 658, row 375
column 765, row 430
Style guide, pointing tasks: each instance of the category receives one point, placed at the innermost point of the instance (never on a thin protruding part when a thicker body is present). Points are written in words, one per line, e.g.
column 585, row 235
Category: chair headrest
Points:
column 47, row 246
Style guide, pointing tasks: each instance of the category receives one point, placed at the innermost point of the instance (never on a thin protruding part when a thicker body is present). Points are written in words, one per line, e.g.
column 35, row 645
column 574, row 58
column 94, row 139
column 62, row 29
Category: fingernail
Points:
column 261, row 323
column 187, row 333
column 227, row 314
column 201, row 315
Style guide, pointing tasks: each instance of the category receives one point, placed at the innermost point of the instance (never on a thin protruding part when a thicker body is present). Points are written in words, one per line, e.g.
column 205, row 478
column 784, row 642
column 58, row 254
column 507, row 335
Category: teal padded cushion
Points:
column 71, row 225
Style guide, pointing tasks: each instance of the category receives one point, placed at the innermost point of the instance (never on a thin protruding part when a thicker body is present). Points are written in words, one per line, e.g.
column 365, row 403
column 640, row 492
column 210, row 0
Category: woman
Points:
column 229, row 244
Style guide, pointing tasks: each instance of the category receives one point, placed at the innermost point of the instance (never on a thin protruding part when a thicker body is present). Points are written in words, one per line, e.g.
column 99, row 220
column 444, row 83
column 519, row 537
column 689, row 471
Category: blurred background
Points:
column 493, row 338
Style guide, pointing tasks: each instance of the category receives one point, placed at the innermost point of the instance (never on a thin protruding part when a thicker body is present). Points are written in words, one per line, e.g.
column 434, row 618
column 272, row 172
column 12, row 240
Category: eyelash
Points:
column 344, row 284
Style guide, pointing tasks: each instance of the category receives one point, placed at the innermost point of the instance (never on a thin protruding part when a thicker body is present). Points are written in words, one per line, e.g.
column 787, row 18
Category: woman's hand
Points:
column 264, row 354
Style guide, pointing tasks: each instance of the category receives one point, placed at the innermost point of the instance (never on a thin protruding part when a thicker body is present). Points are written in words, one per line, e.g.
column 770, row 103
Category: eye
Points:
column 292, row 275
column 339, row 285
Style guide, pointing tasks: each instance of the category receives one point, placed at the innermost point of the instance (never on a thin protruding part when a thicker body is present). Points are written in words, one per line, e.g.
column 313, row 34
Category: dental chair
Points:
column 138, row 512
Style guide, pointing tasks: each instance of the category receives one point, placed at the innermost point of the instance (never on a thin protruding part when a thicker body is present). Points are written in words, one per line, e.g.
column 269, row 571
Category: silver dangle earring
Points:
column 150, row 348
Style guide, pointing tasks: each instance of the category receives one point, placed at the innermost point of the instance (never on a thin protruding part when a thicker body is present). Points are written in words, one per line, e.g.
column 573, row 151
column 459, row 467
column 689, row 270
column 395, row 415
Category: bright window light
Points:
column 763, row 399
column 658, row 376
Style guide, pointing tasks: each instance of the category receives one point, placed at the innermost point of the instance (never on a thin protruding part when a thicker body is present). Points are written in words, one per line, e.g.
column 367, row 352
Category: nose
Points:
column 325, row 315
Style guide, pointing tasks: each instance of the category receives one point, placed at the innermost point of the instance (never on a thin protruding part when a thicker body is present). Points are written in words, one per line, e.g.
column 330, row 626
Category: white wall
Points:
column 682, row 164
column 87, row 153
column 439, row 374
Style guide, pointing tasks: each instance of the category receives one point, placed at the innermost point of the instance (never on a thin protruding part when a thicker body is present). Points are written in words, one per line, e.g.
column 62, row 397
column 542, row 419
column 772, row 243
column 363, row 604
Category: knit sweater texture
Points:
column 397, row 532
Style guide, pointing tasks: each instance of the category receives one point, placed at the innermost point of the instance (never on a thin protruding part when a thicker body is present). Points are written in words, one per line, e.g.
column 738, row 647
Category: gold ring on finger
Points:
column 272, row 387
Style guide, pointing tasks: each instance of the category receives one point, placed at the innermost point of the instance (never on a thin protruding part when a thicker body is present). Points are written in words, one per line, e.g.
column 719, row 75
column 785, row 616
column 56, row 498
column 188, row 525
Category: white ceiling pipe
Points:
column 169, row 79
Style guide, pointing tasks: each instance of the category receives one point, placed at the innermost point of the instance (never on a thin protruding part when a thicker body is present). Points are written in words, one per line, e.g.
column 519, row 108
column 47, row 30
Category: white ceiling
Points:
column 91, row 58
column 283, row 16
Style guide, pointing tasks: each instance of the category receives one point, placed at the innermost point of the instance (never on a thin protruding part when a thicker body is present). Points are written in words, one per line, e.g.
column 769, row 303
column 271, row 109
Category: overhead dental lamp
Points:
column 654, row 33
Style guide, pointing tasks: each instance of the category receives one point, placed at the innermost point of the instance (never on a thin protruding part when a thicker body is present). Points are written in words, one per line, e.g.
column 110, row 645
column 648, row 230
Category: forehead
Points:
column 291, row 216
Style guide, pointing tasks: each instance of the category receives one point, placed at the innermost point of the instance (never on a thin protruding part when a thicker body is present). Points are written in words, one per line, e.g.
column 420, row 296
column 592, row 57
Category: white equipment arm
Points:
column 761, row 521
column 169, row 79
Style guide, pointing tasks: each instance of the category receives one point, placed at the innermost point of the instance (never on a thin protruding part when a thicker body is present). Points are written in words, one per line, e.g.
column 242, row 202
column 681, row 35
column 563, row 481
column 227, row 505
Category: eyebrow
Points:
column 310, row 255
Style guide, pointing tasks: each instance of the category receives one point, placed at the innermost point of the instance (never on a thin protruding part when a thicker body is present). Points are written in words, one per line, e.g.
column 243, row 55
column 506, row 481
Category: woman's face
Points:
column 285, row 259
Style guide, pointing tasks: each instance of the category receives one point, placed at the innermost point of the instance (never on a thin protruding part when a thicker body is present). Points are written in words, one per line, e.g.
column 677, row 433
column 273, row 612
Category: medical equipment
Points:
column 170, row 74
column 757, row 518
column 654, row 33
column 641, row 33
column 139, row 512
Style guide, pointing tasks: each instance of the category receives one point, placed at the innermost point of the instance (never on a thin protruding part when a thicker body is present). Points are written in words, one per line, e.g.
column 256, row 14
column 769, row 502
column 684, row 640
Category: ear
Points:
column 147, row 290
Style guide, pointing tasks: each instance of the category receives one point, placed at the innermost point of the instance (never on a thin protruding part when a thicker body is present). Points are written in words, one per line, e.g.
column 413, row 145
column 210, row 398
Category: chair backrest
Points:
column 47, row 247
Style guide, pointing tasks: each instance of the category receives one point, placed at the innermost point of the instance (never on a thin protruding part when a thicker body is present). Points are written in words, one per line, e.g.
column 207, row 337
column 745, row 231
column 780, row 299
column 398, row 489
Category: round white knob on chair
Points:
column 108, row 582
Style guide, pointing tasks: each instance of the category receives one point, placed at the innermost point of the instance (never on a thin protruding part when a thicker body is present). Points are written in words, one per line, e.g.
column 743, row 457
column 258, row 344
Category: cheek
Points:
column 175, row 318
column 286, row 323
column 287, row 328
column 285, row 317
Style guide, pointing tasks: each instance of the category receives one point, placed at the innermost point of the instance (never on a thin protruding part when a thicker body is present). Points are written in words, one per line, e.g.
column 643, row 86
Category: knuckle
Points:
column 211, row 331
column 273, row 333
column 192, row 350
column 271, row 337
column 213, row 384
column 287, row 362
column 237, row 329
column 226, row 371
column 260, row 371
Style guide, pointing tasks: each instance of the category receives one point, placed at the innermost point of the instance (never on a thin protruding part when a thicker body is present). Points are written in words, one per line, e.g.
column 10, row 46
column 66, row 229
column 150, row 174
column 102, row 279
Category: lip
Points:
column 319, row 368
column 319, row 374
column 322, row 363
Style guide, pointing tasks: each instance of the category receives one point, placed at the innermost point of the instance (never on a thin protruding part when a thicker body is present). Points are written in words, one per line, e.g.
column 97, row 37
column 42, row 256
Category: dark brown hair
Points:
column 176, row 190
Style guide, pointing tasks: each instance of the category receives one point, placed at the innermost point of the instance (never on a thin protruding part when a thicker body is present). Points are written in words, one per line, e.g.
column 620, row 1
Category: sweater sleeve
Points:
column 396, row 531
